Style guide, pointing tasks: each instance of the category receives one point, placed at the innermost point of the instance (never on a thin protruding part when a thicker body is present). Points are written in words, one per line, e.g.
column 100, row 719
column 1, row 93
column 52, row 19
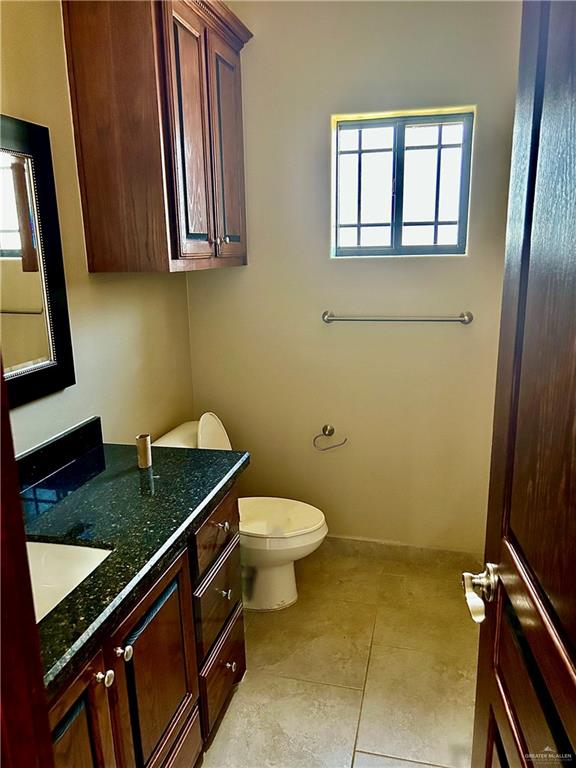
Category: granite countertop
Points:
column 143, row 516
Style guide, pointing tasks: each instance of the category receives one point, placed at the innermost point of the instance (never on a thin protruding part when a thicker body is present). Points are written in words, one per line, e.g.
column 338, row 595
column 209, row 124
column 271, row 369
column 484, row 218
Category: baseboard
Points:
column 409, row 549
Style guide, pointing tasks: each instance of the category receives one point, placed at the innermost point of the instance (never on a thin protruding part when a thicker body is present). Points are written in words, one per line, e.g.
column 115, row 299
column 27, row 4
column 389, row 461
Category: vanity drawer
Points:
column 216, row 532
column 189, row 745
column 216, row 596
column 223, row 669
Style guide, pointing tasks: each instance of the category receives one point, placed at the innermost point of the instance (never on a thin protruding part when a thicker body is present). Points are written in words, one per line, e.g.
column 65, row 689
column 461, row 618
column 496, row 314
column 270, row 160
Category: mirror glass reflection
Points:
column 24, row 319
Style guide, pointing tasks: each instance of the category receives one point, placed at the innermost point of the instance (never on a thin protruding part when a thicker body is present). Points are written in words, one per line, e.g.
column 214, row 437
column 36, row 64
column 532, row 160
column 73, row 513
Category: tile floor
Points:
column 373, row 667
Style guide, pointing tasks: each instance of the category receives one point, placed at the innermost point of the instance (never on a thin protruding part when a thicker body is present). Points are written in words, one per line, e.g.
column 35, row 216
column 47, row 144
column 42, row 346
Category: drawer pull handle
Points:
column 226, row 593
column 231, row 665
column 105, row 677
column 126, row 653
column 225, row 526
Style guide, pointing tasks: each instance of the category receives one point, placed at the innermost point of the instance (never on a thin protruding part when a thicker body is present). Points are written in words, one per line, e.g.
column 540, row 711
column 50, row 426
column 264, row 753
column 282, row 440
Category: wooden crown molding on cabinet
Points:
column 223, row 20
column 157, row 107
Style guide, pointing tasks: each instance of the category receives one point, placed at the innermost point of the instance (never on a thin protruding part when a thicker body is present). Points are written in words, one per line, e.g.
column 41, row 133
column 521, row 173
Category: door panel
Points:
column 72, row 740
column 192, row 142
column 545, row 432
column 159, row 667
column 526, row 695
column 228, row 148
column 156, row 684
column 80, row 722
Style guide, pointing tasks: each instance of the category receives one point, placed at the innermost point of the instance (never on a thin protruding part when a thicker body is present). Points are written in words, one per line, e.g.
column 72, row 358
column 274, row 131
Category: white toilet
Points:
column 274, row 532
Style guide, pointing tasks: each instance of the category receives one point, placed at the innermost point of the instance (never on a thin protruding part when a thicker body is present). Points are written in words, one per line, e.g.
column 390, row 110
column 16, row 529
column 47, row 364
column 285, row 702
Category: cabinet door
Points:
column 153, row 655
column 191, row 134
column 227, row 147
column 80, row 722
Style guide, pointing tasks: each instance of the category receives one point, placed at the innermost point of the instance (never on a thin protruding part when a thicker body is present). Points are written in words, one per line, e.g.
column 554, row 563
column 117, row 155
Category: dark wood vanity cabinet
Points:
column 81, row 721
column 152, row 697
column 157, row 107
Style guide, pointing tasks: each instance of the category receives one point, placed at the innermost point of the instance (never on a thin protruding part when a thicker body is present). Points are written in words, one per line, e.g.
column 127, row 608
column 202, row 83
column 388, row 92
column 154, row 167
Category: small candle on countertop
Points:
column 144, row 449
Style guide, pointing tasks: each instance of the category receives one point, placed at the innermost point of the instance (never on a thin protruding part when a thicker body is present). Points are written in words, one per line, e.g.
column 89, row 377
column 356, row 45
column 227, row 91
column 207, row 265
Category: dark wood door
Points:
column 227, row 147
column 24, row 709
column 526, row 695
column 191, row 133
column 153, row 656
column 80, row 722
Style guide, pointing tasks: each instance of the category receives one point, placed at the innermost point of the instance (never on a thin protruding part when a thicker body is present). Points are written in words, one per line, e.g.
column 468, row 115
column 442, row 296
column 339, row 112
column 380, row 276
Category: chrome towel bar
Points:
column 21, row 311
column 465, row 318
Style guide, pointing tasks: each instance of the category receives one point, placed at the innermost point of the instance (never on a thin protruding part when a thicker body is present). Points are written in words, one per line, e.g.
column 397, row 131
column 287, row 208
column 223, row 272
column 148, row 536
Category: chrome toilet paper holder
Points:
column 327, row 431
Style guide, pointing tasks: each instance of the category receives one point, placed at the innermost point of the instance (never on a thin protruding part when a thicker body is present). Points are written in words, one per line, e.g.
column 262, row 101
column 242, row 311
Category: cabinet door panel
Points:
column 72, row 739
column 157, row 686
column 80, row 722
column 228, row 146
column 158, row 666
column 192, row 146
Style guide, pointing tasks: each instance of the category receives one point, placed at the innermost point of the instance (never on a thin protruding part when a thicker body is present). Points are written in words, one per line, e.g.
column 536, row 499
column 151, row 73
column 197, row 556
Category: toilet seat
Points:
column 275, row 518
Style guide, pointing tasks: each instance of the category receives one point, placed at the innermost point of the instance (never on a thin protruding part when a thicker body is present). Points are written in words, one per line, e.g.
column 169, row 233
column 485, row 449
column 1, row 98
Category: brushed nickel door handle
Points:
column 480, row 588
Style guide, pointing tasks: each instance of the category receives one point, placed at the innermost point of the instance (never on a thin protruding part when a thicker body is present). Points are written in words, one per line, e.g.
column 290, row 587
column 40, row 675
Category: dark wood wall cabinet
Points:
column 152, row 696
column 157, row 108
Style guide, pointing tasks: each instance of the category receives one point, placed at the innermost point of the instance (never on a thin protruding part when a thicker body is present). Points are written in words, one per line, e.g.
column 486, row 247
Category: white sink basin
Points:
column 57, row 569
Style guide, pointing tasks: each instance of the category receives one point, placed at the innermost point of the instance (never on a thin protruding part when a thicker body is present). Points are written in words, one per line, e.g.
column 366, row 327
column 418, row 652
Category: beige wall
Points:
column 24, row 337
column 415, row 401
column 130, row 335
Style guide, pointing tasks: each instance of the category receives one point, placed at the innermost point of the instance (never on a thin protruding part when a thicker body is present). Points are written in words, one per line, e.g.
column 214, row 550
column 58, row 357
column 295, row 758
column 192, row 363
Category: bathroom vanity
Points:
column 142, row 655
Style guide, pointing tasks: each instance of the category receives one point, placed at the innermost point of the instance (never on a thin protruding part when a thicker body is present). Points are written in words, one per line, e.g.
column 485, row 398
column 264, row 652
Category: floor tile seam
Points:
column 258, row 671
column 439, row 653
column 363, row 692
column 402, row 759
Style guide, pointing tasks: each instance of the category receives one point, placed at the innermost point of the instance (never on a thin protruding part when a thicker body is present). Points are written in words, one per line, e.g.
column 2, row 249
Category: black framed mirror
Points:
column 34, row 323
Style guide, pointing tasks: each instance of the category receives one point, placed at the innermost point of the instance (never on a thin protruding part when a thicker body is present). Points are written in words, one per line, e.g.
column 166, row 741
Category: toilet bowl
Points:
column 274, row 532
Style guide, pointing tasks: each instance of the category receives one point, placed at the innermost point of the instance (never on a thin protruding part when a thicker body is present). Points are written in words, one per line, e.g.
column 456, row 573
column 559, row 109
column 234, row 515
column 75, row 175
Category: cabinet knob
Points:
column 225, row 526
column 105, row 677
column 226, row 239
column 231, row 665
column 126, row 653
column 226, row 593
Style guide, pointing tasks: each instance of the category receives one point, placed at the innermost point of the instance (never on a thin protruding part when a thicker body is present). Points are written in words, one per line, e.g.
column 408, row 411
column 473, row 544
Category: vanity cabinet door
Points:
column 153, row 656
column 191, row 134
column 227, row 147
column 80, row 722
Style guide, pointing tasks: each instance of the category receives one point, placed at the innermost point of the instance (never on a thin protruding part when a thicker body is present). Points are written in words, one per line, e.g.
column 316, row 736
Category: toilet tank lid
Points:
column 212, row 433
column 183, row 436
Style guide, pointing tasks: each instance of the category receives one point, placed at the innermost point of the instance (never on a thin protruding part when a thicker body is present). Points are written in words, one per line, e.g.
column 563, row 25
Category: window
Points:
column 401, row 184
